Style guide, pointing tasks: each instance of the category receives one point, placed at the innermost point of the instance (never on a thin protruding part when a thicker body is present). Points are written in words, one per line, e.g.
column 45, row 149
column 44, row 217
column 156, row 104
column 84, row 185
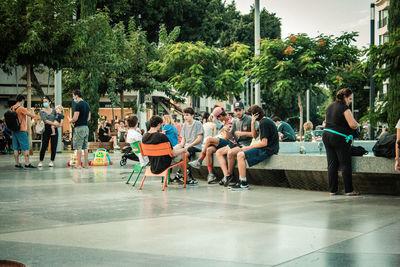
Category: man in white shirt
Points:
column 133, row 136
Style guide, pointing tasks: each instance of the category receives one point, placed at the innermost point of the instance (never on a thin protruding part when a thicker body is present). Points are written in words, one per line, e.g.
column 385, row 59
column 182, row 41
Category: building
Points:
column 382, row 32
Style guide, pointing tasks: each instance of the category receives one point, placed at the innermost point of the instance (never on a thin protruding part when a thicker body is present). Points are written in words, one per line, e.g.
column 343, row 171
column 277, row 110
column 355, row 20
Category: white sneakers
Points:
column 51, row 164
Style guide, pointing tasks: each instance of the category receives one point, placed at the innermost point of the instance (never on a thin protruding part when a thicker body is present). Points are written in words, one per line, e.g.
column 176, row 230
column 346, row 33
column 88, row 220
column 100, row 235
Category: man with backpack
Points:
column 16, row 120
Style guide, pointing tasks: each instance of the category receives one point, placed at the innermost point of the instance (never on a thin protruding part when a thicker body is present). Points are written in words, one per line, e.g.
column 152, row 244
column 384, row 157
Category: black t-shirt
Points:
column 102, row 136
column 268, row 130
column 83, row 108
column 335, row 119
column 161, row 163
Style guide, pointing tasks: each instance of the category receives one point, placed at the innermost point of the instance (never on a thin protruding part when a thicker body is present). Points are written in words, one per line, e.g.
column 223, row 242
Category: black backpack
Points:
column 12, row 121
column 385, row 146
column 358, row 151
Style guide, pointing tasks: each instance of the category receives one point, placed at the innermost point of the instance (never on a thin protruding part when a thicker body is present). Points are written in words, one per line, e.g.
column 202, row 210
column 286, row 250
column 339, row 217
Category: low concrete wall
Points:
column 371, row 174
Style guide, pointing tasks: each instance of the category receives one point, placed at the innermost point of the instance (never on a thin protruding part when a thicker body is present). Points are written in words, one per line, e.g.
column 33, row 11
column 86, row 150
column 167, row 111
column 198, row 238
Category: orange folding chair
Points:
column 162, row 149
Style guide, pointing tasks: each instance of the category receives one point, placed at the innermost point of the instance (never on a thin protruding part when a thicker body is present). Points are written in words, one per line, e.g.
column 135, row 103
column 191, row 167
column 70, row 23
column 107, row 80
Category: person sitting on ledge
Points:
column 256, row 153
column 214, row 143
column 104, row 134
column 159, row 164
column 286, row 132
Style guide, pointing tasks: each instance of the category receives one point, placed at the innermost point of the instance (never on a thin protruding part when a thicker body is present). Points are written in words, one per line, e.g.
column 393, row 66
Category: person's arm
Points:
column 196, row 141
column 177, row 152
column 75, row 117
column 254, row 132
column 90, row 115
column 350, row 119
column 397, row 164
column 261, row 144
column 214, row 127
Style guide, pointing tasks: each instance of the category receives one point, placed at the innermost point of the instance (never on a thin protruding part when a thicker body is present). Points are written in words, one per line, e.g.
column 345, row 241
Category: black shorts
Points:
column 192, row 150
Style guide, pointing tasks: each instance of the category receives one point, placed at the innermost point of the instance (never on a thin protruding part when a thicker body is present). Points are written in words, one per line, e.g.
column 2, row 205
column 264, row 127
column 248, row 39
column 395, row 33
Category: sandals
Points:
column 333, row 194
column 354, row 193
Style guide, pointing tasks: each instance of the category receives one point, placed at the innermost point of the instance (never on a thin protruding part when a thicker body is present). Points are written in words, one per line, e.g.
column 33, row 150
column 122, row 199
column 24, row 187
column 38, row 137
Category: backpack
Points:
column 358, row 151
column 385, row 146
column 12, row 121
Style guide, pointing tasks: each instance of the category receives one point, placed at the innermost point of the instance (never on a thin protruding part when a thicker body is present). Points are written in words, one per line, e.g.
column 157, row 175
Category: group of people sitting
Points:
column 234, row 140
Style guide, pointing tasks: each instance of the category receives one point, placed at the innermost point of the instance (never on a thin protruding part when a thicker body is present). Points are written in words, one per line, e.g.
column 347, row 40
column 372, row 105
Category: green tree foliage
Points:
column 196, row 69
column 299, row 63
column 242, row 28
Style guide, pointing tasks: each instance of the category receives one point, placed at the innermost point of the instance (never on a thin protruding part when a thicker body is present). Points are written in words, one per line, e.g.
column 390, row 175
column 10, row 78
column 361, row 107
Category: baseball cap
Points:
column 217, row 111
column 238, row 105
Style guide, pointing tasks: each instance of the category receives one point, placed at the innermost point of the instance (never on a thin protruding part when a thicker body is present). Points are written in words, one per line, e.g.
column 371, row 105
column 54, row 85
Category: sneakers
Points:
column 222, row 182
column 116, row 147
column 240, row 186
column 30, row 166
column 228, row 179
column 19, row 166
column 191, row 182
column 51, row 164
column 40, row 165
column 177, row 180
column 195, row 164
column 211, row 178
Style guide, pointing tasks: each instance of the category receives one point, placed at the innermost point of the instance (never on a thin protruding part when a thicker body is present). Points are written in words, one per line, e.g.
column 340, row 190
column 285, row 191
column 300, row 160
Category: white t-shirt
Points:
column 398, row 125
column 132, row 137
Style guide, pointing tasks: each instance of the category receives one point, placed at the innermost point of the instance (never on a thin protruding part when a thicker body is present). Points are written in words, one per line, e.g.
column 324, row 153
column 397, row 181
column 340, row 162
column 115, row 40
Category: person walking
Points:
column 20, row 139
column 48, row 116
column 337, row 139
column 80, row 119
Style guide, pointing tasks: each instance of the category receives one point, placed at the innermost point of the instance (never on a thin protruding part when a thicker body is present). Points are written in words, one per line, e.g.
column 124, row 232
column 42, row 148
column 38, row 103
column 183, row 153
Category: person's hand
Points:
column 238, row 134
column 254, row 117
column 245, row 148
column 397, row 166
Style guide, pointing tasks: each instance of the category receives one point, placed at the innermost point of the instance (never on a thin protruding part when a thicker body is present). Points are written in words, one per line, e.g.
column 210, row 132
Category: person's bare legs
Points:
column 86, row 156
column 26, row 154
column 78, row 158
column 212, row 141
column 53, row 130
column 209, row 153
column 16, row 157
column 241, row 158
column 232, row 159
column 221, row 159
column 114, row 139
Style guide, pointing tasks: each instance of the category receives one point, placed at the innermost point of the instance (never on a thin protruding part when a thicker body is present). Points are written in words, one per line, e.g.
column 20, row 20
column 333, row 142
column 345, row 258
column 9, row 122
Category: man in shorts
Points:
column 81, row 130
column 214, row 143
column 256, row 153
column 20, row 139
column 243, row 132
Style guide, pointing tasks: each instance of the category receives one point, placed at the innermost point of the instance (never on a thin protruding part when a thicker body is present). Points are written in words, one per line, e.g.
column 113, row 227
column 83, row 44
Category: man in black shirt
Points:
column 253, row 154
column 153, row 136
column 81, row 131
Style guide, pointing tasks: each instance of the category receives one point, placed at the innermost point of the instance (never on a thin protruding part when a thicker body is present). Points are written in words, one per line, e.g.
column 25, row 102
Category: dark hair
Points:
column 1, row 121
column 132, row 121
column 276, row 118
column 342, row 93
column 255, row 109
column 155, row 121
column 20, row 98
column 222, row 114
column 47, row 98
column 205, row 115
column 108, row 124
column 77, row 93
column 189, row 110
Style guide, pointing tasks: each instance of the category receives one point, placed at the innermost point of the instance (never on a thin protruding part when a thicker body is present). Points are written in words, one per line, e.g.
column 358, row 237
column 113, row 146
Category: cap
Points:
column 217, row 111
column 238, row 105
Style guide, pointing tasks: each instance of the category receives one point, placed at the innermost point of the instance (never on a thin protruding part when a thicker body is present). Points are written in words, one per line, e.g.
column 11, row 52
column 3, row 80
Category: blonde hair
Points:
column 168, row 120
column 308, row 125
column 211, row 118
column 59, row 108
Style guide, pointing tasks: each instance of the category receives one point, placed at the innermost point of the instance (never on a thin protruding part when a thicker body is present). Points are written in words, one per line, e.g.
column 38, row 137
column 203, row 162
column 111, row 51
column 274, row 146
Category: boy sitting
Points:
column 133, row 136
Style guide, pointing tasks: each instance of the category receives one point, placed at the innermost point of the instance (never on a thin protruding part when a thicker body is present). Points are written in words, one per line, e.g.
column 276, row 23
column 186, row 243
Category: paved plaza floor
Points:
column 64, row 217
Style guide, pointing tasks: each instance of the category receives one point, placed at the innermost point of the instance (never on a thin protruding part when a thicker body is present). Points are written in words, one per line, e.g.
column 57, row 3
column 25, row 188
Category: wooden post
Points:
column 301, row 116
column 29, row 105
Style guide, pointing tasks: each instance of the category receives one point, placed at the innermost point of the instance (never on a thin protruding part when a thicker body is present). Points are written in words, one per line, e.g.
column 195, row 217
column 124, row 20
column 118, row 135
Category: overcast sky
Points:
column 318, row 16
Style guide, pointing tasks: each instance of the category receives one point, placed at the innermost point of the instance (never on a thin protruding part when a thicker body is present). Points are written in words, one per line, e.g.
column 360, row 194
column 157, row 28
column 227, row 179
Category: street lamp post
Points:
column 257, row 37
column 372, row 80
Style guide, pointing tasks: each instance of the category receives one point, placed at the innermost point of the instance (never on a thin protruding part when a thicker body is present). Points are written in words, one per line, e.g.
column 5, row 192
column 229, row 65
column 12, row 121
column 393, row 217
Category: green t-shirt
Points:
column 287, row 131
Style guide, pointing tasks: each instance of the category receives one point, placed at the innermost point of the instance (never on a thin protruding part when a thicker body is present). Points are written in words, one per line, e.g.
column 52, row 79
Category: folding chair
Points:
column 138, row 167
column 162, row 149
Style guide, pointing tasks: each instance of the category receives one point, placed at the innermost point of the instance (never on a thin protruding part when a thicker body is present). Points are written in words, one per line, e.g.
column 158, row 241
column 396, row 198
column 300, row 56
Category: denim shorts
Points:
column 20, row 140
column 255, row 156
column 223, row 143
column 81, row 136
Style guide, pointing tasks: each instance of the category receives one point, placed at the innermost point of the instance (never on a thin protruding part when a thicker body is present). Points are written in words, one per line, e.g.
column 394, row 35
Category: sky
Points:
column 314, row 17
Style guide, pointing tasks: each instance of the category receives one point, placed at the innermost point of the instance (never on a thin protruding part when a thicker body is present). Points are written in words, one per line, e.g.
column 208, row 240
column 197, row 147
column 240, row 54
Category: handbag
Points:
column 358, row 151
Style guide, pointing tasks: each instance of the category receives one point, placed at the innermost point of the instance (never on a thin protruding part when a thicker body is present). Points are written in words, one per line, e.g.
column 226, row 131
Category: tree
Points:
column 35, row 33
column 299, row 63
column 196, row 69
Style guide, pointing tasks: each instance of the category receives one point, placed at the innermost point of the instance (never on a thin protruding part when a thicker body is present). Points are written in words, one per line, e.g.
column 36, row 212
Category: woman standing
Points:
column 337, row 139
column 48, row 116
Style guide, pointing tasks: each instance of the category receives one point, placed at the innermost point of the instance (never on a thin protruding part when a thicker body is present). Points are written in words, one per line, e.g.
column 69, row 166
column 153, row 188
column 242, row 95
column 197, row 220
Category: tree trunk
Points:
column 122, row 105
column 29, row 105
column 301, row 116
